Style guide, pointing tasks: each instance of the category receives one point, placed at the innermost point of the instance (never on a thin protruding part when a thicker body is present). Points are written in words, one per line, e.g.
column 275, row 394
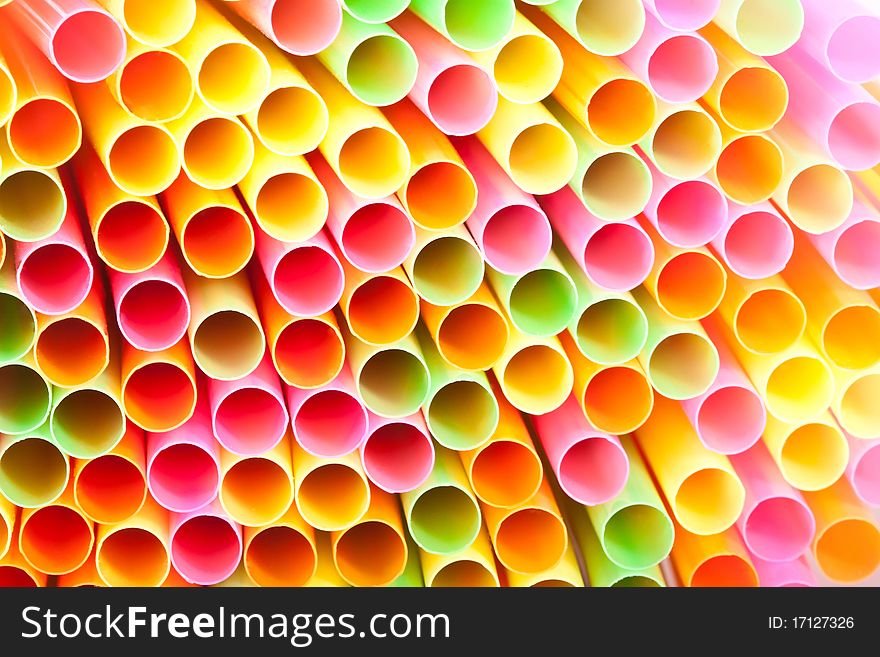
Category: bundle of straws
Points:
column 439, row 292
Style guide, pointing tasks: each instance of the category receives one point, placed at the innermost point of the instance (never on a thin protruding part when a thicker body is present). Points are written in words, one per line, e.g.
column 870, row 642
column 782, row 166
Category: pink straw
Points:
column 845, row 36
column 329, row 421
column 783, row 573
column 508, row 225
column 151, row 306
column 183, row 465
column 615, row 256
column 591, row 467
column 301, row 27
column 55, row 274
column 82, row 40
column 206, row 544
column 457, row 95
column 373, row 235
column 756, row 242
column 248, row 415
column 851, row 249
column 398, row 454
column 683, row 15
column 863, row 470
column 305, row 277
column 776, row 524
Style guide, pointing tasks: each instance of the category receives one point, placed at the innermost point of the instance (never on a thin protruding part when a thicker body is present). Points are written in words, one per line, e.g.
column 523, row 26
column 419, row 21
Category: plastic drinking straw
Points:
column 730, row 416
column 684, row 142
column 411, row 577
column 853, row 403
column 678, row 358
column 540, row 302
column 113, row 487
column 604, row 27
column 248, row 415
column 756, row 242
column 701, row 486
column 508, row 450
column 750, row 167
column 183, row 464
column 683, row 15
column 55, row 273
column 86, row 576
column 141, row 158
column 810, row 455
column 285, row 196
column 238, row 579
column 81, row 40
column 56, row 538
column 153, row 84
column 446, row 267
column 135, row 551
column 373, row 235
column 33, row 470
column 615, row 399
column 440, row 192
column 129, row 232
column 361, row 146
column 530, row 538
column 564, row 574
column 44, row 129
column 371, row 11
column 156, row 23
column 534, row 373
column 843, row 322
column 257, row 490
column 843, row 36
column 18, row 323
column 33, row 203
column 841, row 118
column 158, row 388
column 847, row 542
column 380, row 309
column 471, row 335
column 328, row 421
column 848, row 248
column 331, row 493
column 15, row 571
column 8, row 92
column 225, row 333
column 8, row 513
column 590, row 466
column 392, row 380
column 325, row 574
column 525, row 65
column 508, row 225
column 531, row 146
column 26, row 396
column 206, row 546
column 281, row 554
column 763, row 27
column 748, row 95
column 470, row 567
column 863, row 469
column 308, row 352
column 152, row 309
column 300, row 27
column 442, row 514
column 795, row 573
column 175, row 580
column 450, row 89
column 719, row 560
column 462, row 410
column 468, row 25
column 776, row 523
column 374, row 551
column 397, row 454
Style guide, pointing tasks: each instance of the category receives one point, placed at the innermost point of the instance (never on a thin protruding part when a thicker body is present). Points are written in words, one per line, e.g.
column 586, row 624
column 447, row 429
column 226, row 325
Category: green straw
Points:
column 33, row 470
column 18, row 324
column 469, row 24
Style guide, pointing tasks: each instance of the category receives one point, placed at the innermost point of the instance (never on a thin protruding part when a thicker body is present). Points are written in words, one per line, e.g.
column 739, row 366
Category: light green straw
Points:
column 469, row 24
column 18, row 324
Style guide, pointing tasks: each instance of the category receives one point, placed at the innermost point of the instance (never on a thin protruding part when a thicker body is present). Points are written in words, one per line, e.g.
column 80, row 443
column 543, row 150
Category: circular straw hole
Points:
column 618, row 400
column 383, row 310
column 530, row 540
column 478, row 25
column 217, row 241
column 676, row 292
column 44, row 132
column 543, row 302
column 491, row 468
column 55, row 278
column 375, row 11
column 165, row 411
column 852, row 337
column 370, row 554
column 156, row 85
column 33, row 472
column 146, row 143
column 158, row 22
column 292, row 120
column 18, row 327
column 15, row 577
column 464, row 574
column 682, row 68
column 853, row 51
column 132, row 236
column 280, row 556
column 854, row 136
column 848, row 550
column 866, row 476
column 56, row 539
column 759, row 244
column 516, row 239
column 753, row 99
column 391, row 55
column 398, row 457
column 813, row 456
column 87, row 423
column 762, row 529
column 683, row 365
column 393, row 383
column 24, row 399
column 462, row 99
column 377, row 237
column 305, row 27
column 447, row 270
column 609, row 27
column 205, row 549
column 726, row 570
column 110, row 489
column 731, row 419
column 769, row 321
column 233, row 78
column 462, row 415
column 686, row 144
column 256, row 491
column 691, row 213
column 611, row 331
column 87, row 46
column 308, row 281
column 374, row 162
column 621, row 111
column 859, row 412
column 593, row 470
column 308, row 353
column 291, row 207
column 32, row 205
column 330, row 423
column 854, row 254
column 250, row 421
column 472, row 336
column 183, row 477
column 799, row 388
column 537, row 379
column 616, row 186
column 71, row 351
column 709, row 501
column 130, row 546
column 686, row 15
column 153, row 314
column 819, row 198
column 769, row 27
column 444, row 520
column 542, row 158
column 440, row 195
column 638, row 536
column 228, row 345
column 217, row 153
column 527, row 68
column 333, row 497
column 749, row 169
column 618, row 256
